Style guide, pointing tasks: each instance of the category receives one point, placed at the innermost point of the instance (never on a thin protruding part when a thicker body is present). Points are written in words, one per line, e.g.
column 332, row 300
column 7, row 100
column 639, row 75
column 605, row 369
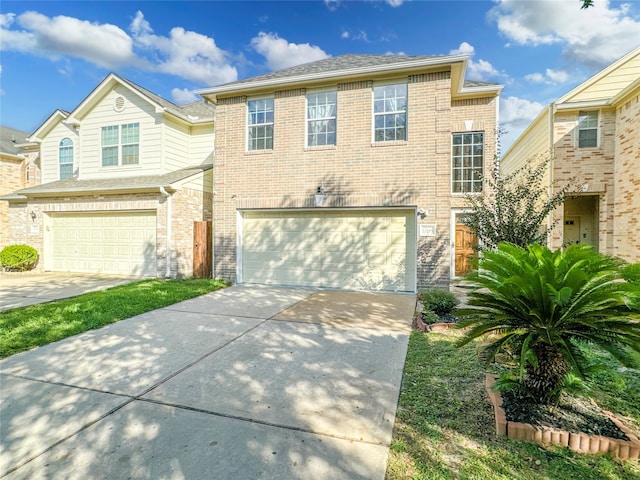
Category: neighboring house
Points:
column 19, row 168
column 390, row 143
column 124, row 177
column 592, row 135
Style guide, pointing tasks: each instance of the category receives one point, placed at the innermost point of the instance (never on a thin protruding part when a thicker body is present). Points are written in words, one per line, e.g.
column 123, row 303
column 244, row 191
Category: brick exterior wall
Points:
column 609, row 173
column 626, row 210
column 355, row 172
column 14, row 177
column 187, row 206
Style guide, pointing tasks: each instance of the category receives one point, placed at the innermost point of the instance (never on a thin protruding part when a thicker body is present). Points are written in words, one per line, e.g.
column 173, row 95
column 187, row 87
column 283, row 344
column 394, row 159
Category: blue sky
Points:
column 54, row 53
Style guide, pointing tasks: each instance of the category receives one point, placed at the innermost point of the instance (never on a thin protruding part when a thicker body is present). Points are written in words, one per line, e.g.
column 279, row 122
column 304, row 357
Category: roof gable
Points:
column 160, row 104
column 608, row 83
column 54, row 119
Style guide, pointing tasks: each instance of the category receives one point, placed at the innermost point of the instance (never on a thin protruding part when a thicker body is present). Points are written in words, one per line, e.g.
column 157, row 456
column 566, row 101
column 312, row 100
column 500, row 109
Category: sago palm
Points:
column 541, row 305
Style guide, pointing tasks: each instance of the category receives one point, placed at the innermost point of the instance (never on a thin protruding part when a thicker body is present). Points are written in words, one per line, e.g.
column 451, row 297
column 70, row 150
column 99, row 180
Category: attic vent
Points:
column 118, row 104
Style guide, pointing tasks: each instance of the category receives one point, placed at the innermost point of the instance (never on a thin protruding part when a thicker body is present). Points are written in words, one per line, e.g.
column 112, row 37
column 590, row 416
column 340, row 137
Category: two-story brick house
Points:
column 19, row 168
column 592, row 136
column 124, row 177
column 350, row 172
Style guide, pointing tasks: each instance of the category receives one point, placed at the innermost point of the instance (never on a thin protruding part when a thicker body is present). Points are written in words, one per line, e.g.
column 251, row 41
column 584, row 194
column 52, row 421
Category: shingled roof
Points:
column 195, row 110
column 10, row 139
column 73, row 185
column 333, row 64
column 355, row 65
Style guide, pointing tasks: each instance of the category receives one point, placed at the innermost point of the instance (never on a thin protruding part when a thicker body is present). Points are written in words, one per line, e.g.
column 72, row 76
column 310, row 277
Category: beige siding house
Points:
column 19, row 168
column 592, row 135
column 124, row 177
column 349, row 172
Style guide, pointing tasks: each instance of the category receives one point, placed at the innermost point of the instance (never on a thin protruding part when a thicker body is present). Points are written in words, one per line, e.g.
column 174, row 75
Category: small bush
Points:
column 18, row 258
column 440, row 301
column 429, row 317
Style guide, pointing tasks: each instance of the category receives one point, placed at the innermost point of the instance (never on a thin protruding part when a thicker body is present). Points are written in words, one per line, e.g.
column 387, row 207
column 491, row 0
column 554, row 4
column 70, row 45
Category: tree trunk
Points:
column 544, row 381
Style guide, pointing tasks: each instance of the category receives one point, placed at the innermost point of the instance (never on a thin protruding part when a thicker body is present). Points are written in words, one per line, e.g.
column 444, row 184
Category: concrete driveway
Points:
column 22, row 289
column 243, row 383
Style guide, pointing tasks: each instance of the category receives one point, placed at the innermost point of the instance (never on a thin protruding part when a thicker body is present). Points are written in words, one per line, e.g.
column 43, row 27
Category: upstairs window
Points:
column 65, row 158
column 321, row 118
column 121, row 145
column 390, row 112
column 467, row 160
column 260, row 124
column 587, row 129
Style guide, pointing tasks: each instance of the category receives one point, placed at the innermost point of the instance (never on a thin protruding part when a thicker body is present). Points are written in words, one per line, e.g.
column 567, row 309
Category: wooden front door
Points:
column 202, row 261
column 465, row 249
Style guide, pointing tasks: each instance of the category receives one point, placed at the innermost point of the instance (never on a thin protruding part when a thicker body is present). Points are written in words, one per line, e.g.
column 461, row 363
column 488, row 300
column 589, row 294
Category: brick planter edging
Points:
column 579, row 442
column 432, row 327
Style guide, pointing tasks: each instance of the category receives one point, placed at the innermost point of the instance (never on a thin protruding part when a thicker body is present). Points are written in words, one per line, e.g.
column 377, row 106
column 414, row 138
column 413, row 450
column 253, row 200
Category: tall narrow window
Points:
column 390, row 112
column 65, row 158
column 321, row 118
column 130, row 140
column 467, row 159
column 587, row 129
column 121, row 145
column 260, row 124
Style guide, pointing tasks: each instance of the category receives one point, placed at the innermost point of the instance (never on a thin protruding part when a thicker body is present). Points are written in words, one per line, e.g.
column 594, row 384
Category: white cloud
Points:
column 282, row 54
column 550, row 77
column 515, row 115
column 183, row 53
column 476, row 70
column 395, row 3
column 105, row 45
column 183, row 96
column 593, row 37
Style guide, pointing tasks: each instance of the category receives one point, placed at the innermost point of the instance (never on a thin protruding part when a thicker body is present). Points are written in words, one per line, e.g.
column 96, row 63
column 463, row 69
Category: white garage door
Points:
column 361, row 250
column 120, row 243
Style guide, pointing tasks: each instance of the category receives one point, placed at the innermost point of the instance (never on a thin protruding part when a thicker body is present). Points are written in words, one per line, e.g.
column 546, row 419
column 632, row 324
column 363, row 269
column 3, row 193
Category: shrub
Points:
column 18, row 258
column 438, row 300
column 429, row 317
column 542, row 305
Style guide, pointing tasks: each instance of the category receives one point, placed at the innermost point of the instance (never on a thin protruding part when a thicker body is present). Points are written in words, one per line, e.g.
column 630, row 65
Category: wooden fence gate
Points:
column 202, row 249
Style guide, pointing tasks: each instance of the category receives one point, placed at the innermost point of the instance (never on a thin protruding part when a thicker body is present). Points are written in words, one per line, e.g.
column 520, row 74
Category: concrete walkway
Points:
column 243, row 383
column 22, row 289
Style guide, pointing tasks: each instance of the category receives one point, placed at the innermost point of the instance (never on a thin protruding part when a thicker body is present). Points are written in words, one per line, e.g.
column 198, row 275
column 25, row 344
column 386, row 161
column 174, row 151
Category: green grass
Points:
column 445, row 428
column 27, row 327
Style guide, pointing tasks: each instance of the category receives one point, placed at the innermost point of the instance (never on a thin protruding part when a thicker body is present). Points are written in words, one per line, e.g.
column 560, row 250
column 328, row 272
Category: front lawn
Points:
column 445, row 428
column 27, row 327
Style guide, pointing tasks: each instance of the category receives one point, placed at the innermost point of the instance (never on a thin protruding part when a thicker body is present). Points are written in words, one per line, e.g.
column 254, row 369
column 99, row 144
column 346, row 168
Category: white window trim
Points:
column 120, row 145
column 395, row 81
column 72, row 163
column 306, row 118
column 483, row 162
column 246, row 129
column 597, row 128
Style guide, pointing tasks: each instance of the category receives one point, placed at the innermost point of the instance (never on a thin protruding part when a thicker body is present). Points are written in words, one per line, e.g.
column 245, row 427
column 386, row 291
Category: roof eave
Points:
column 584, row 104
column 210, row 93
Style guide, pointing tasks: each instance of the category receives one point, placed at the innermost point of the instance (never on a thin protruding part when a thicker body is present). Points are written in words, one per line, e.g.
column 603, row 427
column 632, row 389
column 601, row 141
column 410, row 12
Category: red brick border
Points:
column 432, row 327
column 579, row 442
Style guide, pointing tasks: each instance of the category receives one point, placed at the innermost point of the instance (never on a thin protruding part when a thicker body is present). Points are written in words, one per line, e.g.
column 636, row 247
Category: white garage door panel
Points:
column 366, row 250
column 119, row 243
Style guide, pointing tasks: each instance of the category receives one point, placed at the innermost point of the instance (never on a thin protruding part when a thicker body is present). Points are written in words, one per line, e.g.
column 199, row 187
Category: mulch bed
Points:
column 573, row 414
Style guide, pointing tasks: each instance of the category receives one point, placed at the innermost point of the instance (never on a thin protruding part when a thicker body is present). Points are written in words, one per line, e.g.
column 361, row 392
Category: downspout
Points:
column 168, row 197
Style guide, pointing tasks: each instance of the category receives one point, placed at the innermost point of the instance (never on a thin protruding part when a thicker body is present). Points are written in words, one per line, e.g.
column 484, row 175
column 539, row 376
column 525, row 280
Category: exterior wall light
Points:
column 319, row 196
column 33, row 216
